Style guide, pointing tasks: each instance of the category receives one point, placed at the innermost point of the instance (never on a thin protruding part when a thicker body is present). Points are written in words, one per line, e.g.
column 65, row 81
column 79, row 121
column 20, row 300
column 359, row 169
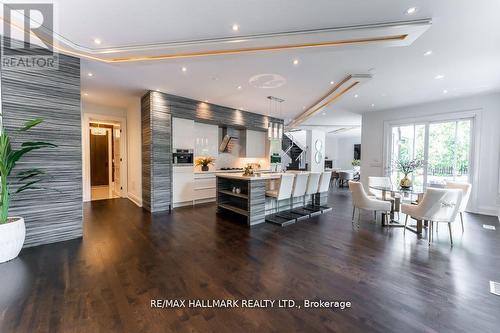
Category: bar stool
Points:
column 312, row 188
column 283, row 192
column 324, row 187
column 299, row 190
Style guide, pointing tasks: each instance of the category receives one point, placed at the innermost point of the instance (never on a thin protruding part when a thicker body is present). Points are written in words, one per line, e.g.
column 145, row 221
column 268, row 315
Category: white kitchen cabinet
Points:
column 256, row 142
column 206, row 139
column 182, row 185
column 183, row 133
column 204, row 187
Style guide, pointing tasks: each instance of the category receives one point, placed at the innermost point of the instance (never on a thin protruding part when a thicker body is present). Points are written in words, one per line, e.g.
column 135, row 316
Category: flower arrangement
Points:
column 407, row 166
column 204, row 162
column 356, row 163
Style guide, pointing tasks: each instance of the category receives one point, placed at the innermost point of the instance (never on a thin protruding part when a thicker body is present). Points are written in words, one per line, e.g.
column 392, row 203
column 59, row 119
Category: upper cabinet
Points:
column 253, row 144
column 183, row 133
column 206, row 139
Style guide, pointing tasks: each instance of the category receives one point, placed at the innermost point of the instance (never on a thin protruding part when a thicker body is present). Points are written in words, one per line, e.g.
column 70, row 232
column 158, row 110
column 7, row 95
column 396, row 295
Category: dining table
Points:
column 412, row 195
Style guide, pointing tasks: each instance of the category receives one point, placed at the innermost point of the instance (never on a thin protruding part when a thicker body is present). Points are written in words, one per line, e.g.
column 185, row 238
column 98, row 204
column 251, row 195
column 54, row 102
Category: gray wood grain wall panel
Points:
column 157, row 111
column 156, row 154
column 50, row 215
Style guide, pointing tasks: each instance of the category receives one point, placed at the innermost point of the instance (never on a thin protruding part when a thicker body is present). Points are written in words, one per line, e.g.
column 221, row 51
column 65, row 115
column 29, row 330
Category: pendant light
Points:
column 274, row 129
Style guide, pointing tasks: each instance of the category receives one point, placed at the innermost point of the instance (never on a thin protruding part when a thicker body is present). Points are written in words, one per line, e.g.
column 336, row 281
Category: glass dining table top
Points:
column 398, row 189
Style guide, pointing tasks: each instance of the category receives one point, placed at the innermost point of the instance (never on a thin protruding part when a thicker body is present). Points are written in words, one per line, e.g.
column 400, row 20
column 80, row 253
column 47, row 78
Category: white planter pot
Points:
column 11, row 239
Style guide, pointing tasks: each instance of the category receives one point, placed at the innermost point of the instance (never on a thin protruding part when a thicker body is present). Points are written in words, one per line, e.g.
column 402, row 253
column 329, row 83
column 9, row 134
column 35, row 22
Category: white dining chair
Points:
column 324, row 187
column 466, row 190
column 360, row 200
column 384, row 182
column 438, row 205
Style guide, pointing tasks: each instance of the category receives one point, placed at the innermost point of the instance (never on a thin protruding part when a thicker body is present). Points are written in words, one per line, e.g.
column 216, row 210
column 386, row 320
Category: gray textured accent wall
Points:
column 157, row 111
column 156, row 154
column 54, row 95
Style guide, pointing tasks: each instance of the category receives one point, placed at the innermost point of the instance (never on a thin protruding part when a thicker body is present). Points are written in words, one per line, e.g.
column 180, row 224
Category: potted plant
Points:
column 12, row 229
column 356, row 165
column 407, row 166
column 204, row 162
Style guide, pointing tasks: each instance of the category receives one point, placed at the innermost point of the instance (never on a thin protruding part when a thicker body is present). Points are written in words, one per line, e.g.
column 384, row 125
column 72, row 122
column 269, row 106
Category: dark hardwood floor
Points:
column 396, row 283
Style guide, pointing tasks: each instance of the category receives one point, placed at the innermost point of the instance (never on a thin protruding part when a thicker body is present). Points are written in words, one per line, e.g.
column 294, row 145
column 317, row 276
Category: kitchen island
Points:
column 251, row 201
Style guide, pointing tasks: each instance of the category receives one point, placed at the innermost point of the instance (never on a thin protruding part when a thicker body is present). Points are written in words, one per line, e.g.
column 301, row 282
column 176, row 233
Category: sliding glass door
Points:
column 444, row 145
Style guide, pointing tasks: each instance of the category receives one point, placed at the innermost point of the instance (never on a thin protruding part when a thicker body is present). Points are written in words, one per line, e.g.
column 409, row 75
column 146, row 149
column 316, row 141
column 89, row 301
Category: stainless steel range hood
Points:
column 229, row 135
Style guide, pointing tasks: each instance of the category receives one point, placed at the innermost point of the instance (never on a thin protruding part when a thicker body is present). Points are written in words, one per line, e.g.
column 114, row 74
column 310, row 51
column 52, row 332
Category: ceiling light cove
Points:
column 388, row 34
column 344, row 86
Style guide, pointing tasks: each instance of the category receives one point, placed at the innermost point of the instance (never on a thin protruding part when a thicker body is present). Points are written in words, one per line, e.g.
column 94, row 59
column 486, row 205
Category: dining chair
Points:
column 466, row 190
column 345, row 176
column 312, row 188
column 438, row 205
column 395, row 198
column 360, row 200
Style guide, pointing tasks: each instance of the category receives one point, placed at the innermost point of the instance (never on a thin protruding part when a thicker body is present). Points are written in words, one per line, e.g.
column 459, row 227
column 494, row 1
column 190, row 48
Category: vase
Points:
column 11, row 238
column 405, row 182
column 204, row 168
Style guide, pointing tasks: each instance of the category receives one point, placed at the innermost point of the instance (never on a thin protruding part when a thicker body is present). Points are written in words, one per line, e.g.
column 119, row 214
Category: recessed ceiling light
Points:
column 439, row 76
column 332, row 82
column 97, row 41
column 323, row 113
column 184, row 69
column 157, row 89
column 206, row 101
column 236, row 27
column 373, row 105
column 445, row 91
column 296, row 61
column 85, row 94
column 239, row 87
column 303, row 107
column 428, row 53
column 356, row 95
column 411, row 10
column 90, row 74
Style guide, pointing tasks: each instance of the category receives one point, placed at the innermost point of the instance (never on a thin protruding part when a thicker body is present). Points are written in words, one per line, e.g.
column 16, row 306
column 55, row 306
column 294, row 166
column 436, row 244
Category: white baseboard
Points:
column 134, row 199
column 488, row 210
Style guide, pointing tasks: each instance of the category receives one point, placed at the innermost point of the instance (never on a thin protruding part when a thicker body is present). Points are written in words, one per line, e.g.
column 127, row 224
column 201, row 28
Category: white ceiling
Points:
column 464, row 38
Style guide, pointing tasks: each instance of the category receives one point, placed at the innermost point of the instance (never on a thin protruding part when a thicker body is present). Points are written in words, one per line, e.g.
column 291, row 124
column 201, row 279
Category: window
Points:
column 445, row 145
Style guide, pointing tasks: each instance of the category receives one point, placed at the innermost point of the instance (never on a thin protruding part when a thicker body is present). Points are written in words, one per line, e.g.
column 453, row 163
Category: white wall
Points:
column 134, row 139
column 485, row 198
column 312, row 136
column 341, row 150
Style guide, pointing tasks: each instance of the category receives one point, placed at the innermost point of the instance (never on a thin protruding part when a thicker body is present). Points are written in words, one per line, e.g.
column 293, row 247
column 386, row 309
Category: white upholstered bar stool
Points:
column 312, row 188
column 284, row 190
column 299, row 190
column 466, row 190
column 438, row 205
column 324, row 187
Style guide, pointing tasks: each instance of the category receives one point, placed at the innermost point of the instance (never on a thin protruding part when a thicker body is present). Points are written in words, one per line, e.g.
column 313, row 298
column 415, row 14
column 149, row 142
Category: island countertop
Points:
column 257, row 177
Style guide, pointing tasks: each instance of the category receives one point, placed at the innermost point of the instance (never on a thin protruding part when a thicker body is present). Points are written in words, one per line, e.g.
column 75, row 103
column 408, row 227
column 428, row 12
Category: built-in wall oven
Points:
column 183, row 157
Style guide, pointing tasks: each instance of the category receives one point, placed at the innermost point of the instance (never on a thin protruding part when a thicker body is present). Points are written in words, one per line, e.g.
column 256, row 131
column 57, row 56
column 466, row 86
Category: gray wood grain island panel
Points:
column 56, row 214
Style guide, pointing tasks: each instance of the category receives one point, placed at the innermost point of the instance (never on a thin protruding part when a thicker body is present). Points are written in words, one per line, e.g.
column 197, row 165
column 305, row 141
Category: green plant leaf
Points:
column 30, row 124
